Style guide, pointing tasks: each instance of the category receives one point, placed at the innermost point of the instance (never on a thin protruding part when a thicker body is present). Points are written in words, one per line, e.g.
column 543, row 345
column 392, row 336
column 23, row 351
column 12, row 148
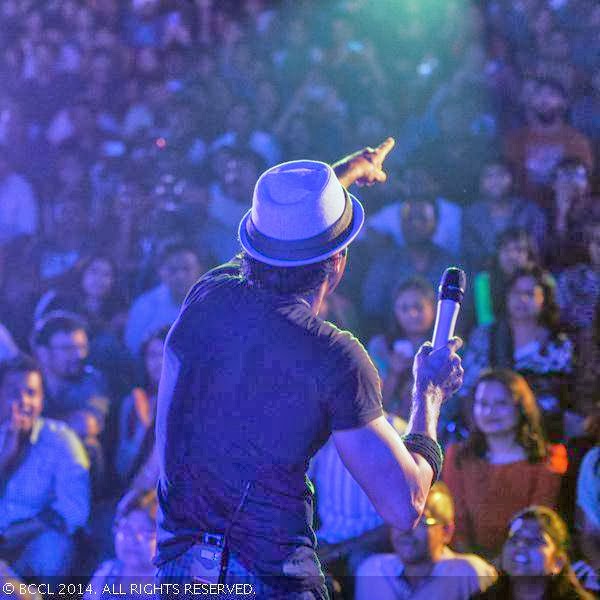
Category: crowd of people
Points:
column 132, row 133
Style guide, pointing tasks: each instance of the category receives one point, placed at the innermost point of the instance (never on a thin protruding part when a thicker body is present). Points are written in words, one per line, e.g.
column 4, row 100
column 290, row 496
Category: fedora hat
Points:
column 301, row 214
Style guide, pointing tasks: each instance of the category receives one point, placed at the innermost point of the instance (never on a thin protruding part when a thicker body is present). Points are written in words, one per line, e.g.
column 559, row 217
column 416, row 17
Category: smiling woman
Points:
column 506, row 445
column 535, row 560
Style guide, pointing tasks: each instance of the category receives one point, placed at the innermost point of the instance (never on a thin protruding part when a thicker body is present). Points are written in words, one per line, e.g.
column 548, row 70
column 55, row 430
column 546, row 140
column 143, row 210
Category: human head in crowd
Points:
column 516, row 250
column 178, row 268
column 535, row 560
column 152, row 353
column 419, row 219
column 98, row 278
column 504, row 406
column 240, row 172
column 21, row 393
column 496, row 181
column 135, row 534
column 413, row 310
column 571, row 176
column 531, row 297
column 427, row 541
column 61, row 345
column 549, row 102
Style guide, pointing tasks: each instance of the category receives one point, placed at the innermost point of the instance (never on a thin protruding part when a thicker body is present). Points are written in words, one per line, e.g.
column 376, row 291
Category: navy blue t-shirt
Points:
column 252, row 386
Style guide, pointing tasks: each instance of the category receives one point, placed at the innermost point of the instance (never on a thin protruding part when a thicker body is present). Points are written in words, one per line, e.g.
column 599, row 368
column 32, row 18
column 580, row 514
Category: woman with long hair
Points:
column 516, row 249
column 535, row 561
column 411, row 323
column 135, row 441
column 529, row 340
column 504, row 465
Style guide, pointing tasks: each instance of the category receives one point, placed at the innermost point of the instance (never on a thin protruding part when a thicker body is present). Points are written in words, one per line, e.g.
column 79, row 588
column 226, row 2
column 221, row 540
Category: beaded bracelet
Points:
column 428, row 448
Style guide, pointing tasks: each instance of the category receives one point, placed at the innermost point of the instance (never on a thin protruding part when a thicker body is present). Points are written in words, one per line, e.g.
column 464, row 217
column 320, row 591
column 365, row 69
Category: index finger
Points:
column 455, row 344
column 384, row 149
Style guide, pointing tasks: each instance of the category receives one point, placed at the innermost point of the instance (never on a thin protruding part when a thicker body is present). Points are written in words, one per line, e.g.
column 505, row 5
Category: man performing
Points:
column 254, row 383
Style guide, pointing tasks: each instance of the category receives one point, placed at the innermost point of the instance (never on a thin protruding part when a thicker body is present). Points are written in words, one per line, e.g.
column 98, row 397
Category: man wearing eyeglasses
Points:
column 423, row 566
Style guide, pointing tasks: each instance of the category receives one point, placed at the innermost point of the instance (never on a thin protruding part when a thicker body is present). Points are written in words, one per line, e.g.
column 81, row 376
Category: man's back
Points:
column 253, row 385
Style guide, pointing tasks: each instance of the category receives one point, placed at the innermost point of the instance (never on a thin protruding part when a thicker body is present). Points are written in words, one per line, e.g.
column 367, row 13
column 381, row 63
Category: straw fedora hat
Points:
column 301, row 214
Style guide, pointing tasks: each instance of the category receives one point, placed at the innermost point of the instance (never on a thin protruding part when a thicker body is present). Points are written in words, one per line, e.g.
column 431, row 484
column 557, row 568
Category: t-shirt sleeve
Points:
column 355, row 399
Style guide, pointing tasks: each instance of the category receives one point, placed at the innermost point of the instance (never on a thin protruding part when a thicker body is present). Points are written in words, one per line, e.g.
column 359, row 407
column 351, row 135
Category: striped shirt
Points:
column 345, row 511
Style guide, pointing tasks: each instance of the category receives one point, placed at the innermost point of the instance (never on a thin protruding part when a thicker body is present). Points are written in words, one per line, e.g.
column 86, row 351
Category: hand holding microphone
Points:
column 437, row 367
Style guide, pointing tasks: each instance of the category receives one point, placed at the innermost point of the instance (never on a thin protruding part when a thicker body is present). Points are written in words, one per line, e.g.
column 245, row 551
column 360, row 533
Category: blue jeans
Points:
column 177, row 572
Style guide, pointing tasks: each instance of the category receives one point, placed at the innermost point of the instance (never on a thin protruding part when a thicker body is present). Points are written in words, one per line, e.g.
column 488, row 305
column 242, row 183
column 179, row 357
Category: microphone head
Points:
column 452, row 285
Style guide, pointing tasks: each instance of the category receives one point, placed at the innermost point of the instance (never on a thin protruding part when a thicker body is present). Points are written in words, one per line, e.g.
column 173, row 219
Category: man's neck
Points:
column 415, row 573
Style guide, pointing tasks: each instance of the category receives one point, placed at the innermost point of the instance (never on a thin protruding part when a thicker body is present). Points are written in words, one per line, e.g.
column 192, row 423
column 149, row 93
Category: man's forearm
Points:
column 425, row 412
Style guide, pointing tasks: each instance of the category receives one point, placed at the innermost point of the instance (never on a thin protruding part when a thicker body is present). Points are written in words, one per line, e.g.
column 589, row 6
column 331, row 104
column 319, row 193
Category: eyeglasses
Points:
column 141, row 535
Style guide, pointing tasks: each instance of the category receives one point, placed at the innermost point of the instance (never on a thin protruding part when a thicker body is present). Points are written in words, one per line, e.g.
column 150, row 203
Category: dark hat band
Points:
column 306, row 248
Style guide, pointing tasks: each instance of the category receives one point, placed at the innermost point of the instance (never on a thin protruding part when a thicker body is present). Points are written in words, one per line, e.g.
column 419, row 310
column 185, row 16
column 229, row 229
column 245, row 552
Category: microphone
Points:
column 450, row 295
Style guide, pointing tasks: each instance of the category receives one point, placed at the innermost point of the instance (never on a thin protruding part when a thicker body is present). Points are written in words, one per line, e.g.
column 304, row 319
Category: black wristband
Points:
column 428, row 448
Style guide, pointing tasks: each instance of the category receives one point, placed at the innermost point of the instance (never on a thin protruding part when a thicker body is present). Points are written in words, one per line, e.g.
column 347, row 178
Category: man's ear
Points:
column 449, row 530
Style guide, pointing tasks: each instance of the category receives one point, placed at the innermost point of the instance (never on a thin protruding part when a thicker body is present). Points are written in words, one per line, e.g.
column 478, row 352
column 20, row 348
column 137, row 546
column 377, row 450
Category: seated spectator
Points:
column 91, row 290
column 74, row 391
column 536, row 149
column 417, row 181
column 45, row 492
column 230, row 198
column 68, row 237
column 392, row 265
column 535, row 562
column 350, row 529
column 497, row 210
column 578, row 294
column 135, row 545
column 506, row 445
column 516, row 249
column 571, row 208
column 423, row 566
column 529, row 341
column 178, row 269
column 137, row 413
column 18, row 205
column 393, row 352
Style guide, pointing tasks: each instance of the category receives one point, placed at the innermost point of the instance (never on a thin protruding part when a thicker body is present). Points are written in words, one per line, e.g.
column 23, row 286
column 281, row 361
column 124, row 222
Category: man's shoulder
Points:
column 59, row 434
column 388, row 565
column 466, row 565
column 226, row 274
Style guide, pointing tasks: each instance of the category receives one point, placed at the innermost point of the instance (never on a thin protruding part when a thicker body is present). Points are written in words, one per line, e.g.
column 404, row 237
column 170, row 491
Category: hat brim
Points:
column 358, row 219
